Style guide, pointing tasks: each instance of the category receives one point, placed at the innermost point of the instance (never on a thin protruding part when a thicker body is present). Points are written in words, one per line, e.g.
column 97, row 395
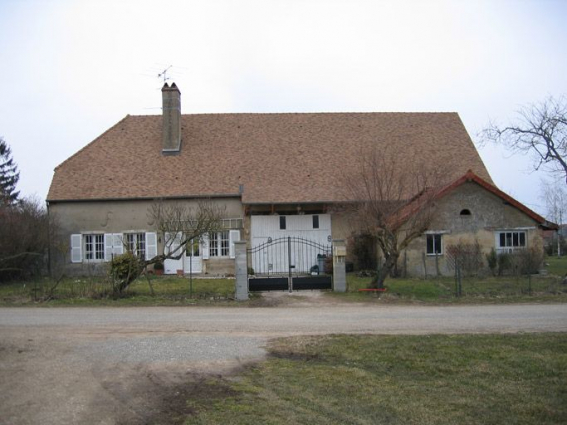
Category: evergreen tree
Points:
column 9, row 175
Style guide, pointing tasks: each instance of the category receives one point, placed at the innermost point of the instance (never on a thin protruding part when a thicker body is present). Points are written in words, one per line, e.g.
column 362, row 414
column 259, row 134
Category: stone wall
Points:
column 488, row 214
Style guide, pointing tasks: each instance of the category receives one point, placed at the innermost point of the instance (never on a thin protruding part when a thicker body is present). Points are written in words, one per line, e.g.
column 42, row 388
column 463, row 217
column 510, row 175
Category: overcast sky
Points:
column 72, row 69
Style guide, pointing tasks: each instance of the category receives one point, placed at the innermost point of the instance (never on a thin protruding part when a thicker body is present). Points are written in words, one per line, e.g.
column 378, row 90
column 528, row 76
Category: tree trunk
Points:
column 378, row 281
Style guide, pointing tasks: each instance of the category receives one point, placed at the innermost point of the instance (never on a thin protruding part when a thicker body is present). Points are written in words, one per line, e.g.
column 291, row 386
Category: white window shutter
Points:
column 205, row 246
column 76, row 248
column 233, row 236
column 108, row 239
column 117, row 244
column 151, row 245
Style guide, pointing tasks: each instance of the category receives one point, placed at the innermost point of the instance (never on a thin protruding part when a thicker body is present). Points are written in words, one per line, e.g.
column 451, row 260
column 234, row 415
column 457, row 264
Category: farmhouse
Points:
column 274, row 175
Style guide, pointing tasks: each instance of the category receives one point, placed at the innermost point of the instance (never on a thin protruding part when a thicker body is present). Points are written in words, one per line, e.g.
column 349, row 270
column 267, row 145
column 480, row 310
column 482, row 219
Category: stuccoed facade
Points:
column 112, row 222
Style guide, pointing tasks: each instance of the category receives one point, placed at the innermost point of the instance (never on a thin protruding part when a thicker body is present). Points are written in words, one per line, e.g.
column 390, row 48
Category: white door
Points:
column 193, row 258
column 172, row 242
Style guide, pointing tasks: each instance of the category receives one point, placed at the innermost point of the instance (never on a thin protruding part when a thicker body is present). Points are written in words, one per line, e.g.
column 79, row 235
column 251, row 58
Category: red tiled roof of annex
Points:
column 264, row 158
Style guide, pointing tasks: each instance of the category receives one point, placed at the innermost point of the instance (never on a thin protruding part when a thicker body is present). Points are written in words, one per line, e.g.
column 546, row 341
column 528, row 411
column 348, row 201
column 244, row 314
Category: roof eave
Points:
column 149, row 198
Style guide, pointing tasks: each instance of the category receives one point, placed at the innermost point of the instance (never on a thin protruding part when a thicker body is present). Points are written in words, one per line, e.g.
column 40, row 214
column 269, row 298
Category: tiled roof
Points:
column 277, row 158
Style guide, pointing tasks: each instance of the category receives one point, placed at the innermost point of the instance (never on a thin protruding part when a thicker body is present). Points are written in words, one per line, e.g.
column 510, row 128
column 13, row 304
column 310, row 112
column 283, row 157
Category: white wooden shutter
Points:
column 205, row 246
column 233, row 236
column 76, row 248
column 151, row 245
column 117, row 244
column 108, row 239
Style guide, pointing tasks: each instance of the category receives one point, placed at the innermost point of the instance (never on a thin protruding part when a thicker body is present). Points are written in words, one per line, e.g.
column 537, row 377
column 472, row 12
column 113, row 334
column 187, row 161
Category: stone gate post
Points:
column 339, row 265
column 241, row 271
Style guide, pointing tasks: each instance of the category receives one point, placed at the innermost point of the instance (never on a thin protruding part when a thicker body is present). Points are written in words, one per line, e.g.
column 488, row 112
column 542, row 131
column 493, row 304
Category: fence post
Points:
column 289, row 265
column 241, row 271
column 339, row 265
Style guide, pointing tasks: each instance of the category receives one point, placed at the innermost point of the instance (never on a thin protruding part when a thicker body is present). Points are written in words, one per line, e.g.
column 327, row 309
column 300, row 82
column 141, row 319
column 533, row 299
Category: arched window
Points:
column 465, row 212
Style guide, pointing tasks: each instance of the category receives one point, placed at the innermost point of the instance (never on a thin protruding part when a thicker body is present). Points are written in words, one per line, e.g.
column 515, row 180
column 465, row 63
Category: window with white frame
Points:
column 136, row 244
column 103, row 247
column 510, row 241
column 219, row 244
column 434, row 244
column 94, row 247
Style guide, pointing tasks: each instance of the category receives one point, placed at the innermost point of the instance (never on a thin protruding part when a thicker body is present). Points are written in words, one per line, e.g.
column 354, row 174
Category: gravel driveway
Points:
column 136, row 365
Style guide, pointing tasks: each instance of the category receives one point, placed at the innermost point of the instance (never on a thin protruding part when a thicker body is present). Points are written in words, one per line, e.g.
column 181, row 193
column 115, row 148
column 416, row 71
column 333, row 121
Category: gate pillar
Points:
column 241, row 271
column 339, row 265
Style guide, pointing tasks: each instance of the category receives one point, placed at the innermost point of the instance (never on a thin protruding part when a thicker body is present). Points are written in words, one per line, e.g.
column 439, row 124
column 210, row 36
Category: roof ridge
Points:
column 308, row 113
column 91, row 143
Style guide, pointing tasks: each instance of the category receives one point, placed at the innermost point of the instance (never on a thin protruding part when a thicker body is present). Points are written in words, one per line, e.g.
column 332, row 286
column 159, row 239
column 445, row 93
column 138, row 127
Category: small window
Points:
column 94, row 247
column 282, row 222
column 465, row 212
column 315, row 221
column 434, row 245
column 136, row 244
column 219, row 244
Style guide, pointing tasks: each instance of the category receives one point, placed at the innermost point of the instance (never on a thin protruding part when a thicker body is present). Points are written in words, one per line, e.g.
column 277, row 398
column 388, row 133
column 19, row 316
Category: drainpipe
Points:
column 48, row 240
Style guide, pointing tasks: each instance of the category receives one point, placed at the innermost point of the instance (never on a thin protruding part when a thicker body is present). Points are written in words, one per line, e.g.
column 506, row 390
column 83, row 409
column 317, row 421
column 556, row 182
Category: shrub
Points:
column 467, row 256
column 363, row 249
column 492, row 260
column 527, row 261
column 504, row 263
column 25, row 233
column 124, row 269
column 520, row 262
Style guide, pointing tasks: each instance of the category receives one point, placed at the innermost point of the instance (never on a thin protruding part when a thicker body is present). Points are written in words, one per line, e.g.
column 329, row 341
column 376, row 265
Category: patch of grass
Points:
column 556, row 266
column 368, row 379
column 93, row 291
column 537, row 288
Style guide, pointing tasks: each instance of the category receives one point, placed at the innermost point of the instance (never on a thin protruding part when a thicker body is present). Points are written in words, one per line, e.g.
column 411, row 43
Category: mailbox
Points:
column 340, row 251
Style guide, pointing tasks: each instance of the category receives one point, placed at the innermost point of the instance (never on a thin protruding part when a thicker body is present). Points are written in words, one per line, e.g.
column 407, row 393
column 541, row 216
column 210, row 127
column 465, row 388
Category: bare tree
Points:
column 184, row 222
column 392, row 201
column 540, row 130
column 179, row 223
column 24, row 239
column 555, row 197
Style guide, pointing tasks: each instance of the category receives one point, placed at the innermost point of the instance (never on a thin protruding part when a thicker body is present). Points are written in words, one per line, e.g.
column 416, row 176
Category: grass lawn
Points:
column 90, row 291
column 536, row 288
column 174, row 290
column 556, row 266
column 368, row 379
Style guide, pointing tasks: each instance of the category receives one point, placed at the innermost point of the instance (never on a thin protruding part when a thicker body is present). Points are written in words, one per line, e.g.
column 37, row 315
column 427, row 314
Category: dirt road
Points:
column 138, row 365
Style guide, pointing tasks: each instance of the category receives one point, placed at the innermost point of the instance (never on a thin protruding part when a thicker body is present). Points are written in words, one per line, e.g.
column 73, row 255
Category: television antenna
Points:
column 163, row 74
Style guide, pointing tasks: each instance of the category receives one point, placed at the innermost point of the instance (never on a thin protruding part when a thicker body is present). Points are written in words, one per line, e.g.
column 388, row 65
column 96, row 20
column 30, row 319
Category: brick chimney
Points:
column 171, row 126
